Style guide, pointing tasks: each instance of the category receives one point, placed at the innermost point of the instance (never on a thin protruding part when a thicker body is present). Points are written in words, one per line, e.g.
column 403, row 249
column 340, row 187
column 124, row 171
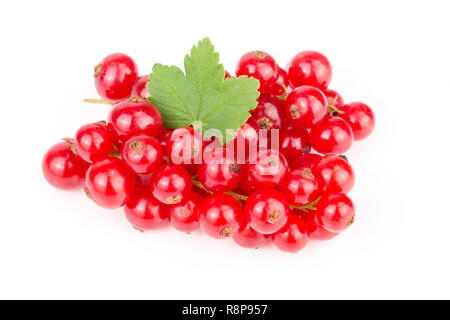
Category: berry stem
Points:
column 308, row 207
column 332, row 109
column 100, row 101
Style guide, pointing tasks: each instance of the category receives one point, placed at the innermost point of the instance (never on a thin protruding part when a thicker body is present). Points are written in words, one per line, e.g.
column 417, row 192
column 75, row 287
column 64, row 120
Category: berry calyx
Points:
column 259, row 65
column 335, row 212
column 334, row 174
column 267, row 168
column 184, row 216
column 360, row 118
column 134, row 116
column 93, row 142
column 115, row 76
column 142, row 154
column 266, row 210
column 305, row 107
column 145, row 213
column 62, row 168
column 170, row 184
column 109, row 183
column 220, row 215
column 331, row 135
column 269, row 113
column 293, row 236
column 309, row 68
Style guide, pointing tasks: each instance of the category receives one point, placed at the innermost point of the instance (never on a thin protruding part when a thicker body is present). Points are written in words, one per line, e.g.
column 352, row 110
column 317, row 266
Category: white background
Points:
column 393, row 55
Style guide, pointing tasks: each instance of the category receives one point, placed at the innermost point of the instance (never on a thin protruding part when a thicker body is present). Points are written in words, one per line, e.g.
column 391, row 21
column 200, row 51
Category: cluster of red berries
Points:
column 284, row 194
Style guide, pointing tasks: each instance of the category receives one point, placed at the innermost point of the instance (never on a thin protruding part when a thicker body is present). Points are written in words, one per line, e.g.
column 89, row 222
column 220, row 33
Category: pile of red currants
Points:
column 282, row 192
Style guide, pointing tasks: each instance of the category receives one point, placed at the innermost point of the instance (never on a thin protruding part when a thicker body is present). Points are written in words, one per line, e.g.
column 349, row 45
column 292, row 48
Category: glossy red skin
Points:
column 227, row 75
column 246, row 141
column 140, row 87
column 184, row 216
column 331, row 135
column 281, row 84
column 62, row 168
column 293, row 236
column 334, row 174
column 267, row 168
column 184, row 146
column 143, row 182
column 170, row 184
column 306, row 161
column 142, row 154
column 259, row 65
column 333, row 98
column 146, row 213
column 221, row 173
column 315, row 231
column 305, row 107
column 115, row 76
column 246, row 184
column 109, row 183
column 335, row 212
column 221, row 215
column 93, row 142
column 300, row 187
column 294, row 142
column 360, row 118
column 134, row 116
column 309, row 68
column 163, row 138
column 246, row 237
column 266, row 210
column 269, row 113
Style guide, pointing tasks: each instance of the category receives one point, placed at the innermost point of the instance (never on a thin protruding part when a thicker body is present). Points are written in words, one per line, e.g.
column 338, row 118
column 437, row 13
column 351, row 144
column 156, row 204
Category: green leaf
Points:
column 201, row 93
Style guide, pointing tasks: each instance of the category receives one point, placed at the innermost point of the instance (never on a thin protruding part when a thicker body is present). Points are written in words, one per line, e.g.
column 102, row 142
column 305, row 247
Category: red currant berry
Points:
column 220, row 173
column 246, row 141
column 294, row 142
column 266, row 210
column 331, row 135
column 333, row 98
column 140, row 87
column 300, row 187
column 306, row 161
column 293, row 236
column 259, row 65
column 246, row 185
column 227, row 75
column 335, row 212
column 184, row 216
column 170, row 184
column 143, row 182
column 248, row 238
column 309, row 68
column 93, row 142
column 360, row 118
column 269, row 113
column 267, row 168
column 62, row 168
column 305, row 106
column 335, row 174
column 142, row 154
column 184, row 146
column 282, row 84
column 115, row 76
column 145, row 213
column 109, row 183
column 220, row 215
column 134, row 116
column 315, row 230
